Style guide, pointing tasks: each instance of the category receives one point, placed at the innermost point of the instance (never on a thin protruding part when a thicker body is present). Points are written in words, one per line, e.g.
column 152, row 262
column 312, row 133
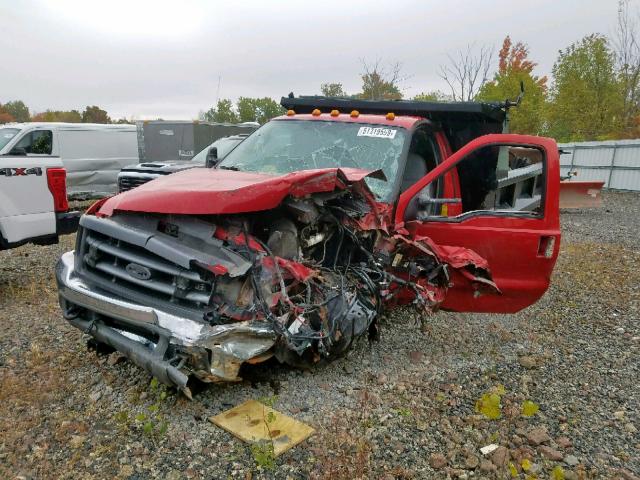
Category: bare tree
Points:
column 467, row 71
column 628, row 59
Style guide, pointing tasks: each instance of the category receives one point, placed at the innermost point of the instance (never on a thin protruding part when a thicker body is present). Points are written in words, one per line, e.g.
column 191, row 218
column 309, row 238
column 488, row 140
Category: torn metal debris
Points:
column 300, row 278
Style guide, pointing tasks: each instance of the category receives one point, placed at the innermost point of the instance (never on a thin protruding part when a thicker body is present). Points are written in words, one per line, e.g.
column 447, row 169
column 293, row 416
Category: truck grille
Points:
column 124, row 268
column 127, row 183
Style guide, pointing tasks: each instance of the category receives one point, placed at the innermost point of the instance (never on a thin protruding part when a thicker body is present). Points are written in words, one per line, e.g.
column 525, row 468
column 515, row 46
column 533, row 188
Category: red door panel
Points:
column 521, row 250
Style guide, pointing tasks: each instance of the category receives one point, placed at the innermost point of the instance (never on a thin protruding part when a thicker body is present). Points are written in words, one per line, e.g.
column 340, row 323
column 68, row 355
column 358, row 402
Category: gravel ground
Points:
column 404, row 407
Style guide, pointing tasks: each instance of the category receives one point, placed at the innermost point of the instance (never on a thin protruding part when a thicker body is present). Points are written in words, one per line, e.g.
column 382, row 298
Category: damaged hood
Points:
column 217, row 191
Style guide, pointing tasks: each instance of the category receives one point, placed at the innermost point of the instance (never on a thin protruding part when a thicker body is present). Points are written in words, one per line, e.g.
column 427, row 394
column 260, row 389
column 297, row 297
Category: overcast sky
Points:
column 156, row 58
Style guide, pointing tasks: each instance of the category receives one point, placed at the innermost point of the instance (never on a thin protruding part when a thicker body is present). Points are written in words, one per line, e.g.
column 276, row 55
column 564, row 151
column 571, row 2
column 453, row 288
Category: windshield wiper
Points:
column 229, row 167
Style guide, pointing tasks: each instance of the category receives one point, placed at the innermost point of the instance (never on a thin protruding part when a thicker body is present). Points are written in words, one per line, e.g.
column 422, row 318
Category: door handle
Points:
column 546, row 246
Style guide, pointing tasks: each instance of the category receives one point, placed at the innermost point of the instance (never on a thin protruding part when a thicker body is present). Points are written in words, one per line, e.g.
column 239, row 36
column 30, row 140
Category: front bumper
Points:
column 167, row 346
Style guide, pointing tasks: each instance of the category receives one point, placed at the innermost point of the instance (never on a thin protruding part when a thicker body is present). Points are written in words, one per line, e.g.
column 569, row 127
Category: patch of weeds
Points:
column 263, row 454
column 529, row 408
column 404, row 412
column 557, row 473
column 489, row 405
column 263, row 451
column 346, row 450
column 152, row 422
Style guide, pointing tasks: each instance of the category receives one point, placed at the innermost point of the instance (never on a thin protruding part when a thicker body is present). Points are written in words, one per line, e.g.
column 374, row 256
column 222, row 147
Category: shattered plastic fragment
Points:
column 486, row 450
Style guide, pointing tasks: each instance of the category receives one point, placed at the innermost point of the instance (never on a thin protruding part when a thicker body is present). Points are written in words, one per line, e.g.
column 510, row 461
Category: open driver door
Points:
column 507, row 193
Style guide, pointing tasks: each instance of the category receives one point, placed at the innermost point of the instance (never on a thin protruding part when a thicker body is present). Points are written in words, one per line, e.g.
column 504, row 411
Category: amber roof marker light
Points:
column 391, row 116
column 355, row 113
column 335, row 113
column 290, row 113
column 315, row 112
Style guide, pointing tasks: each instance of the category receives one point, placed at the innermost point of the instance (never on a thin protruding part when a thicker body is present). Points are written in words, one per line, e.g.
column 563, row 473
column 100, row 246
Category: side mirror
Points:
column 18, row 151
column 212, row 157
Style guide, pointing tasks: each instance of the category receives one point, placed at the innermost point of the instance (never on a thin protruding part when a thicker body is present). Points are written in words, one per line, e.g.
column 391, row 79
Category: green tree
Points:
column 333, row 90
column 379, row 83
column 514, row 67
column 95, row 114
column 259, row 110
column 71, row 116
column 18, row 110
column 433, row 96
column 223, row 112
column 5, row 117
column 586, row 101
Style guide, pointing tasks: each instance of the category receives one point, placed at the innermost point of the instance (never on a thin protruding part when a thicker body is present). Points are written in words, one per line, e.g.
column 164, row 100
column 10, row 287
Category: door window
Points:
column 39, row 142
column 421, row 159
column 500, row 179
column 6, row 135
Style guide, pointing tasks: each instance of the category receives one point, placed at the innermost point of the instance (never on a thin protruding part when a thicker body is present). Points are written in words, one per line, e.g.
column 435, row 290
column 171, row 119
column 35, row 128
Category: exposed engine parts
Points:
column 204, row 294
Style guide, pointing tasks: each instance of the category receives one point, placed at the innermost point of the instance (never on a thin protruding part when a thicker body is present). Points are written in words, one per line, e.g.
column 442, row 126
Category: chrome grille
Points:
column 137, row 270
column 127, row 183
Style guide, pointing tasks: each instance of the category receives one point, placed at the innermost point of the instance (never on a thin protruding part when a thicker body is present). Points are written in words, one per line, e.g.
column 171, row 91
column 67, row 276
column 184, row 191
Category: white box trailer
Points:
column 92, row 154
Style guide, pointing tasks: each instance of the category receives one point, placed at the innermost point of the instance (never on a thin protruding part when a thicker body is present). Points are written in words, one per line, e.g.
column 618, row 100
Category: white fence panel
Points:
column 617, row 163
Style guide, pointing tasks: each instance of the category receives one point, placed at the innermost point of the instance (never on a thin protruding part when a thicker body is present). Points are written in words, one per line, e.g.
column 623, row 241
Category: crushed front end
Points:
column 202, row 294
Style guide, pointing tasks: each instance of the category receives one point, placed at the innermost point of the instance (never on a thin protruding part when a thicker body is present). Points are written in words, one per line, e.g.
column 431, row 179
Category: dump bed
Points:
column 460, row 121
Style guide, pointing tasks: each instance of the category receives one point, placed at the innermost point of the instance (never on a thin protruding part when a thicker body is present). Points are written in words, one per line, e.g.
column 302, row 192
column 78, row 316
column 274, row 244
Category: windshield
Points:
column 284, row 146
column 224, row 146
column 6, row 134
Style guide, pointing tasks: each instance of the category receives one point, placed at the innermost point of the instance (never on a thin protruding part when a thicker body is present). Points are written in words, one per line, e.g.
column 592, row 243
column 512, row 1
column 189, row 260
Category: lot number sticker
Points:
column 377, row 132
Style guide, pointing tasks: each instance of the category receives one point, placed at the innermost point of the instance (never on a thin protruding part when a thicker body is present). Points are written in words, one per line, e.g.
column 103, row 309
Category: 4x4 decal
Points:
column 20, row 172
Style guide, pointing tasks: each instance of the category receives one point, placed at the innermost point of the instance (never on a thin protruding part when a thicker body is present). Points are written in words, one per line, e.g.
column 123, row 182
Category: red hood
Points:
column 202, row 191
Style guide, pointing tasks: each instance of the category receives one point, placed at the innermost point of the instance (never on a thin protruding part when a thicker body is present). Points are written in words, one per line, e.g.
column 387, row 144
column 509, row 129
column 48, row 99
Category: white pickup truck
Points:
column 33, row 201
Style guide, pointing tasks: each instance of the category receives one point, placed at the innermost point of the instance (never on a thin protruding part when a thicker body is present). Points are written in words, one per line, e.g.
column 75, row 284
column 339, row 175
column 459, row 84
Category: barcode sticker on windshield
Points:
column 377, row 132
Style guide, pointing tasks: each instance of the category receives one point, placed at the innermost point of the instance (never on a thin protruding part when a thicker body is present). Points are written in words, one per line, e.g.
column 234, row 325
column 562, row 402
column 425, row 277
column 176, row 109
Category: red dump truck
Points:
column 294, row 244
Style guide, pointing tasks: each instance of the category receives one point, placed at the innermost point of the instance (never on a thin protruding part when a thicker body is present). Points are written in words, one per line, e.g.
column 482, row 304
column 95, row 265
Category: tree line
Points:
column 17, row 111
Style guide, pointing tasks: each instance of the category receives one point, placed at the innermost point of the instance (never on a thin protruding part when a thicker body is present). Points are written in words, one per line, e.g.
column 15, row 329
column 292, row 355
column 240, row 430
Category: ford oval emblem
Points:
column 138, row 271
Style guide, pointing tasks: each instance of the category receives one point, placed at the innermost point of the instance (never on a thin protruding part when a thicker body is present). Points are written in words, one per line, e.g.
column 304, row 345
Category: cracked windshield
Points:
column 290, row 145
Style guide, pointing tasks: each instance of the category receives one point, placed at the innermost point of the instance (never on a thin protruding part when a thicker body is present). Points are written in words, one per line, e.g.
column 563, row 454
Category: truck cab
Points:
column 454, row 177
column 316, row 223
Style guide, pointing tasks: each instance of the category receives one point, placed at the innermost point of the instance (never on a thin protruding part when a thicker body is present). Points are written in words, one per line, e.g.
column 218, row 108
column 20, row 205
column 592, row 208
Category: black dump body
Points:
column 460, row 121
